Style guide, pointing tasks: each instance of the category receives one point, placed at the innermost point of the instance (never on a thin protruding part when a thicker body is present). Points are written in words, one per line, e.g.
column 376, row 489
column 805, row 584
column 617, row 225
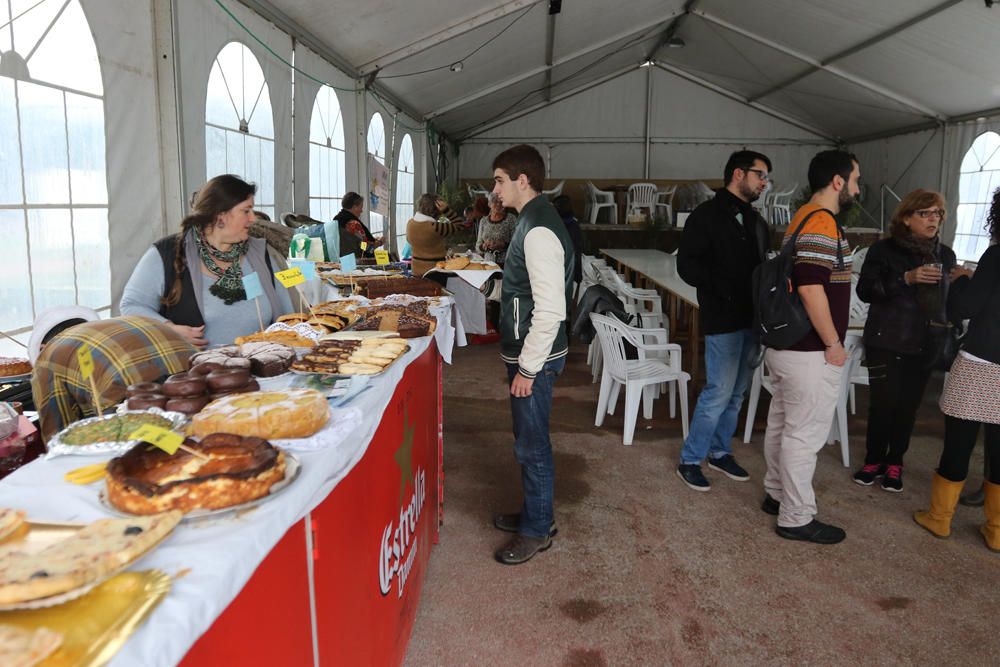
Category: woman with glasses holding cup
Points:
column 971, row 397
column 905, row 279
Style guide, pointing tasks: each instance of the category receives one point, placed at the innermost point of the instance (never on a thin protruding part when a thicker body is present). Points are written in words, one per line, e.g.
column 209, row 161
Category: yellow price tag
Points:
column 364, row 245
column 85, row 359
column 381, row 256
column 290, row 277
column 166, row 440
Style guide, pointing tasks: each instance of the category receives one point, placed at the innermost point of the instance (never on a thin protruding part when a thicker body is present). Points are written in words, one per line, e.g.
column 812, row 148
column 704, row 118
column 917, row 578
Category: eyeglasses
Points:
column 761, row 174
column 930, row 212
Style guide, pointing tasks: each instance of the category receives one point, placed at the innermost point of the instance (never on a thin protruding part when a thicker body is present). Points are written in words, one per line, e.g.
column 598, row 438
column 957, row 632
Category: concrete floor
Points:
column 645, row 571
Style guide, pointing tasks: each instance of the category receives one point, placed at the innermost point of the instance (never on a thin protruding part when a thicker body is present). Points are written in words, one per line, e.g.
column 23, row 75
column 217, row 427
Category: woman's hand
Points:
column 441, row 205
column 959, row 271
column 926, row 275
column 193, row 335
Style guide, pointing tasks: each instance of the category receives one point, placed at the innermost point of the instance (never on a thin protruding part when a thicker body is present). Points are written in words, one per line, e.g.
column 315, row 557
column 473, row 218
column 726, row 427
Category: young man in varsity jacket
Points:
column 537, row 287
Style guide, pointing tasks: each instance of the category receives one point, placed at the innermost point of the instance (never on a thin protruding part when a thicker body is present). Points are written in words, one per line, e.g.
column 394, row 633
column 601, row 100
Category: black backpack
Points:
column 780, row 319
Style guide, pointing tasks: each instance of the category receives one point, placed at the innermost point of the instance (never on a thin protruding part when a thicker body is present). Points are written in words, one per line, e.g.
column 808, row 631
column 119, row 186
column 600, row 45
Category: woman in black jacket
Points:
column 971, row 397
column 904, row 280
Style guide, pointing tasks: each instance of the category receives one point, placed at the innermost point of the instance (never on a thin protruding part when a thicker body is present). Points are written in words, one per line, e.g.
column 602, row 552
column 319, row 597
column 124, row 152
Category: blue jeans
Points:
column 727, row 375
column 533, row 448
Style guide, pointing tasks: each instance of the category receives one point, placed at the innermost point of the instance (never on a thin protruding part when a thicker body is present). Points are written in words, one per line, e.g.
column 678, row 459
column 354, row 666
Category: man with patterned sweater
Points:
column 537, row 288
column 806, row 377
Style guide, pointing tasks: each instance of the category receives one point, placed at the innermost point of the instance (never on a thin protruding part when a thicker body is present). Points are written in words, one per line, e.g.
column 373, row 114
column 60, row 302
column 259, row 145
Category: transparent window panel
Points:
column 236, row 154
column 215, row 151
column 88, row 176
column 218, row 106
column 314, row 180
column 6, row 34
column 230, row 64
column 376, row 136
column 376, row 223
column 43, row 140
column 15, row 293
column 253, row 171
column 267, row 209
column 10, row 153
column 967, row 185
column 261, row 122
column 265, row 186
column 70, row 35
column 93, row 256
column 317, row 127
column 51, row 243
column 9, row 348
column 29, row 27
column 339, row 180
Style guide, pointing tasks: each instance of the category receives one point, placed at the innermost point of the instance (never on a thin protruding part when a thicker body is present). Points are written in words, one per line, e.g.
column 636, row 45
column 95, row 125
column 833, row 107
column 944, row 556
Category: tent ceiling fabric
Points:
column 849, row 69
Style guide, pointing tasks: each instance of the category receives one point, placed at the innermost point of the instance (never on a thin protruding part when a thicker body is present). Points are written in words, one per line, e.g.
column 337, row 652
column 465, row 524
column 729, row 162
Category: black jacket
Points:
column 978, row 299
column 899, row 315
column 597, row 299
column 717, row 255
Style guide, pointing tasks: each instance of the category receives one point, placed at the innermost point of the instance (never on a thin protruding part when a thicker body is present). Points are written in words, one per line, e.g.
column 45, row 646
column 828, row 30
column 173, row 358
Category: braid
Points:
column 173, row 296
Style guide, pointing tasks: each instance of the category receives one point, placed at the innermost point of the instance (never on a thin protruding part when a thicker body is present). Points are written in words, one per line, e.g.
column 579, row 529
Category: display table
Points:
column 328, row 571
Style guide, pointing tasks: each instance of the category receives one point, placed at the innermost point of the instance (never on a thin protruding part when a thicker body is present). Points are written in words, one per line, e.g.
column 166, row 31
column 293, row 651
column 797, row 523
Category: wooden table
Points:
column 655, row 269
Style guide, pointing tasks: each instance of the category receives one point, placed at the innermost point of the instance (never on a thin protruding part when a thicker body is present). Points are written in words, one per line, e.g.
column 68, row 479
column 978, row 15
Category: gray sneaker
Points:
column 521, row 548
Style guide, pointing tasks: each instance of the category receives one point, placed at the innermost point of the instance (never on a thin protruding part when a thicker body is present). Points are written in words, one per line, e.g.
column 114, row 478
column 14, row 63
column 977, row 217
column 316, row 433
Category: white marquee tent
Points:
column 112, row 112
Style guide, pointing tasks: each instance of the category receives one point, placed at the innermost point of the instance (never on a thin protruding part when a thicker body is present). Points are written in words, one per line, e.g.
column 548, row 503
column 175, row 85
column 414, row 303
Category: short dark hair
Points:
column 564, row 207
column 350, row 200
column 827, row 164
column 59, row 328
column 743, row 160
column 522, row 159
column 993, row 218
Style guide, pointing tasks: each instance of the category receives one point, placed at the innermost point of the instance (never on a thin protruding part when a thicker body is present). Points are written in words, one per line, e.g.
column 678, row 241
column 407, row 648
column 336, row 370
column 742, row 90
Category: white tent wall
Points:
column 202, row 30
column 692, row 131
column 903, row 163
column 123, row 34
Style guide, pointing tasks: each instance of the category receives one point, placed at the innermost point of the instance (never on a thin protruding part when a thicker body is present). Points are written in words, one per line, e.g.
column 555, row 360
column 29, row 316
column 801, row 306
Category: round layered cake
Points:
column 147, row 480
column 16, row 366
column 263, row 358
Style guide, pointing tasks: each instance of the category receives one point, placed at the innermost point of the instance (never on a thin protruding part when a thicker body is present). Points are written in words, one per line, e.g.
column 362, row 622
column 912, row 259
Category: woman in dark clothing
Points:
column 904, row 280
column 349, row 222
column 971, row 397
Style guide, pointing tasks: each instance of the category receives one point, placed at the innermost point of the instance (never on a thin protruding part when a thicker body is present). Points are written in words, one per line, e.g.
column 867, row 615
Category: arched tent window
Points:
column 979, row 178
column 326, row 156
column 53, row 179
column 239, row 124
column 376, row 148
column 404, row 188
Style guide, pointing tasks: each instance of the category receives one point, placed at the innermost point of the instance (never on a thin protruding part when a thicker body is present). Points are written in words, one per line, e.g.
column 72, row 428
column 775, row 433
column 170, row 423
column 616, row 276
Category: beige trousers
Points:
column 803, row 401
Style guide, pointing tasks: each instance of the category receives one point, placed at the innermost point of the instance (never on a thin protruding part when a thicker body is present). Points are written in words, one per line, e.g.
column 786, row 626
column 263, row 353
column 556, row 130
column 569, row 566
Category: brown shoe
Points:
column 521, row 548
column 511, row 523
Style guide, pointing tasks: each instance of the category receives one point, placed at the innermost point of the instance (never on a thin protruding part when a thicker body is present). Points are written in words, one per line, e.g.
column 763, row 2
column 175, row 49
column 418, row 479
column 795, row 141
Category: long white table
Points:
column 658, row 269
column 222, row 553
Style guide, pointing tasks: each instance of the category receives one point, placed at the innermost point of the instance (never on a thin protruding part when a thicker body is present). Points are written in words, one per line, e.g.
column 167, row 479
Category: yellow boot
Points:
column 944, row 497
column 991, row 505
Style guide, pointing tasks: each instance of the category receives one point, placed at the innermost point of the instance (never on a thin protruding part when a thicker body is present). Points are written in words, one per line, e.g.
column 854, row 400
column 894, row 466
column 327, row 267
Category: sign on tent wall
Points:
column 378, row 186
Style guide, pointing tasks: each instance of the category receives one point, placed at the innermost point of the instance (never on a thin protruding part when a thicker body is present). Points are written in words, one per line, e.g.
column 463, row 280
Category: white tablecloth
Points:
column 221, row 553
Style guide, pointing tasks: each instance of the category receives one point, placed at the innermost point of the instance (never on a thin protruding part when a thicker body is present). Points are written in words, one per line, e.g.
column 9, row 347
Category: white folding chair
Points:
column 838, row 429
column 640, row 377
column 640, row 196
column 781, row 206
column 665, row 200
column 556, row 191
column 603, row 199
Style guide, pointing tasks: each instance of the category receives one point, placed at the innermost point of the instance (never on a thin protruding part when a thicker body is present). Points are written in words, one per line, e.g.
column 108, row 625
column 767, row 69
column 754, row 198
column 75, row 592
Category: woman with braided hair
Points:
column 194, row 279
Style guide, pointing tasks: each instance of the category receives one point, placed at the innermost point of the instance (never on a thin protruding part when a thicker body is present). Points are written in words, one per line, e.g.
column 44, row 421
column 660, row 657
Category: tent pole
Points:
column 649, row 116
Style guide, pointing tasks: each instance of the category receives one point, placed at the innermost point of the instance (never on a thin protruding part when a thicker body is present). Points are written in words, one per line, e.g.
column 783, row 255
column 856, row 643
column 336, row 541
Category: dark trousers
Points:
column 959, row 439
column 533, row 448
column 896, row 387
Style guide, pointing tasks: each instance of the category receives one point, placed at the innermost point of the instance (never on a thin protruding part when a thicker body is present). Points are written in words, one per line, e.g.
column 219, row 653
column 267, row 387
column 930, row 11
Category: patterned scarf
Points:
column 229, row 286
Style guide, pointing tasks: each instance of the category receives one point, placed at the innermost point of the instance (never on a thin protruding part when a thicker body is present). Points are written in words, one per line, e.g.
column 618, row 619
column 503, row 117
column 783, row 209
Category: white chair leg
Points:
column 852, row 399
column 613, row 402
column 673, row 399
column 598, row 365
column 845, row 453
column 682, row 386
column 758, row 379
column 633, row 395
column 647, row 400
column 602, row 399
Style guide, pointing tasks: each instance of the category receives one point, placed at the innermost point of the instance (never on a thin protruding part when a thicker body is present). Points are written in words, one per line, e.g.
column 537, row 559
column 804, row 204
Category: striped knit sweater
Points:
column 427, row 239
column 816, row 264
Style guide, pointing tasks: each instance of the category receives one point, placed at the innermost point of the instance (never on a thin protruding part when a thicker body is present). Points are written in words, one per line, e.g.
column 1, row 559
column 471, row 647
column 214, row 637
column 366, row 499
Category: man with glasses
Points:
column 724, row 241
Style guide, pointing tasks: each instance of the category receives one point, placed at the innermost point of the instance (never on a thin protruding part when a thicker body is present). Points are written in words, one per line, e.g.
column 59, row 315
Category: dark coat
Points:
column 978, row 300
column 900, row 314
column 717, row 255
column 597, row 299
